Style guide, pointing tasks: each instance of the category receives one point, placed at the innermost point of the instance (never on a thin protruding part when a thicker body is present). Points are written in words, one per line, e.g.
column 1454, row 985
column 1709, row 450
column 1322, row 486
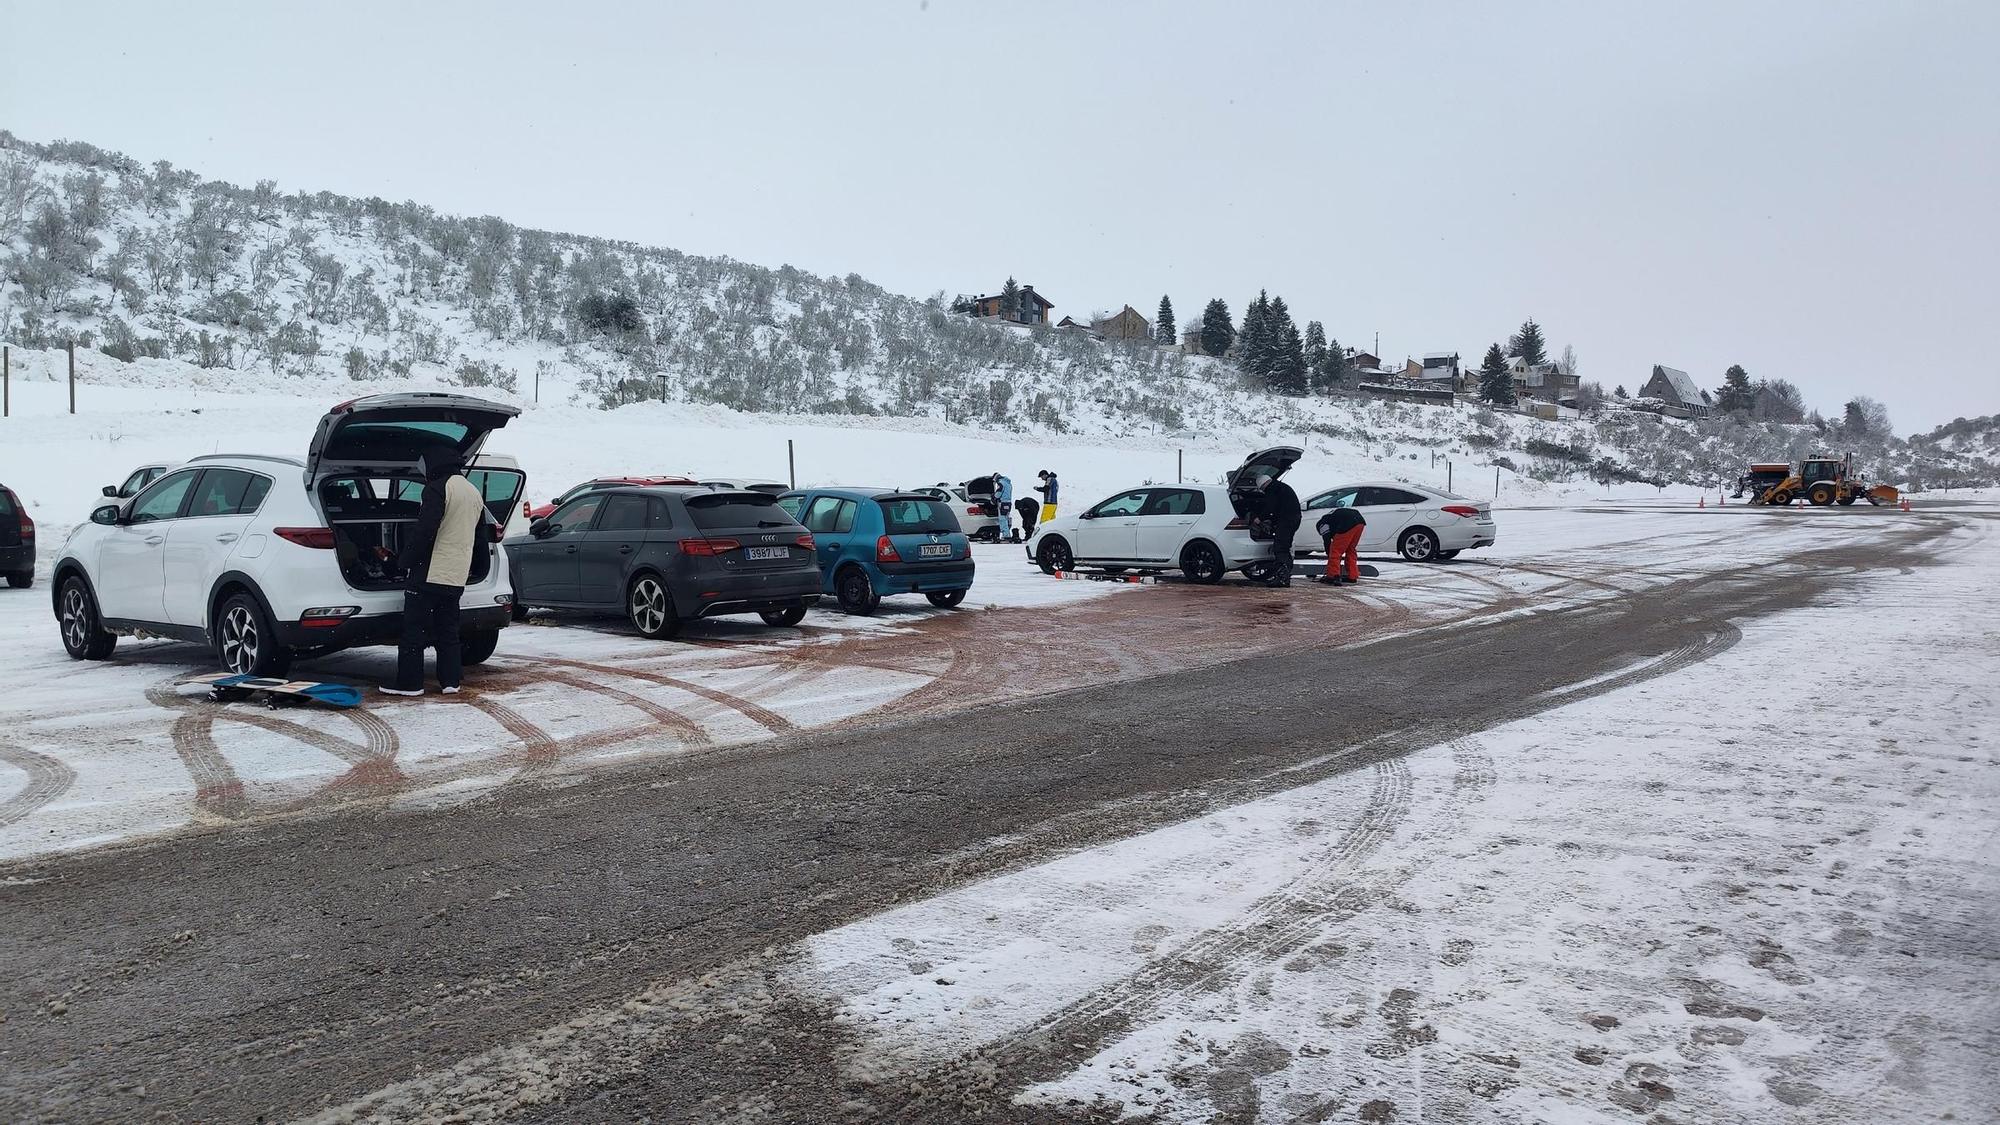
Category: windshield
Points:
column 735, row 510
column 917, row 516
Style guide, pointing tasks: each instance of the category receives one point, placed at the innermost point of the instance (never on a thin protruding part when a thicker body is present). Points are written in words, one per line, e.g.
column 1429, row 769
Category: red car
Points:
column 538, row 511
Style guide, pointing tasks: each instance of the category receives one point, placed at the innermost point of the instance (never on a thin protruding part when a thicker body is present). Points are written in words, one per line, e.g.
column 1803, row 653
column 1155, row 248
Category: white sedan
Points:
column 1421, row 524
column 1197, row 529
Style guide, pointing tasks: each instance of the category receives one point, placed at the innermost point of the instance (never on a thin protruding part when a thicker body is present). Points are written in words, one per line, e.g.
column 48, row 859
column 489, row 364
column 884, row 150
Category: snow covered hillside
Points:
column 171, row 282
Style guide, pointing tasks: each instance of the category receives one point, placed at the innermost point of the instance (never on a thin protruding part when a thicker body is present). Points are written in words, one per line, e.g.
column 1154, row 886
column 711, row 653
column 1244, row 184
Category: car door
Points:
column 201, row 542
column 545, row 565
column 132, row 557
column 1308, row 538
column 1110, row 530
column 1166, row 520
column 1388, row 511
column 608, row 550
column 831, row 521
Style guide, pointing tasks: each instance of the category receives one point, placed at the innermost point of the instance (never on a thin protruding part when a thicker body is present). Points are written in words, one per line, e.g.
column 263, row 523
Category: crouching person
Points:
column 436, row 563
column 1341, row 529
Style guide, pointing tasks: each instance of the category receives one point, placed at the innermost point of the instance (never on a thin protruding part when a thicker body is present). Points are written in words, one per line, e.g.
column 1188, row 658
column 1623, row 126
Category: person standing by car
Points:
column 1030, row 511
column 1003, row 507
column 1341, row 529
column 1048, row 490
column 1279, row 507
column 436, row 563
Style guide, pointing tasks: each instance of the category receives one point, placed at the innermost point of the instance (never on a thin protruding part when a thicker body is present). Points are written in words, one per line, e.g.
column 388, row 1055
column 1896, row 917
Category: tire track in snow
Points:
column 47, row 780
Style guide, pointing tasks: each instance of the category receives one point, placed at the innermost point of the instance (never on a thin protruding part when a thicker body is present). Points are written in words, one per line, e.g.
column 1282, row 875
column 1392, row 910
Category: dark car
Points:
column 17, row 541
column 665, row 556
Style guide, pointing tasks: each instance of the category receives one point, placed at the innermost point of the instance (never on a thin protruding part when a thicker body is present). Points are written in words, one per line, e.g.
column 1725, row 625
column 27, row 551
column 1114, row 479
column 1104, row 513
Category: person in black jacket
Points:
column 1278, row 505
column 1341, row 529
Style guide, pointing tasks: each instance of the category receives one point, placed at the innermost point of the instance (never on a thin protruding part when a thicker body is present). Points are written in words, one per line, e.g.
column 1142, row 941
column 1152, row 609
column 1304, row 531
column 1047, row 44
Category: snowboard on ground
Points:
column 227, row 687
column 1256, row 572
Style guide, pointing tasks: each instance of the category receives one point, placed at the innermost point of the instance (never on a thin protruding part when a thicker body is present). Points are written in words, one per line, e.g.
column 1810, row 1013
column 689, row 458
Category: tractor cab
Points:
column 1812, row 470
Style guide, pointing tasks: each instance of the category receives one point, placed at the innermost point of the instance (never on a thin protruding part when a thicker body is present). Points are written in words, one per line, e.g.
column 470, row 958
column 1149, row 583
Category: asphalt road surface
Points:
column 279, row 970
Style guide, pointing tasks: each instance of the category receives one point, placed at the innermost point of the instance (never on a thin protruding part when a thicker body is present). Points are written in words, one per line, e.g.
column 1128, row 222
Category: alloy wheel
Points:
column 75, row 618
column 649, row 605
column 240, row 641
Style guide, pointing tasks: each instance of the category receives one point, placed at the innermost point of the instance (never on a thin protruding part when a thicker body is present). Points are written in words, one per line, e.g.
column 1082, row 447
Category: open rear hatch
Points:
column 362, row 469
column 1272, row 463
column 392, row 431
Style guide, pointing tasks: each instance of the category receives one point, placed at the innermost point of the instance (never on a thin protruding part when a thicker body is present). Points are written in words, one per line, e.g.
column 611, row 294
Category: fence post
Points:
column 72, row 376
column 1496, row 482
column 791, row 464
column 1180, row 465
column 538, row 383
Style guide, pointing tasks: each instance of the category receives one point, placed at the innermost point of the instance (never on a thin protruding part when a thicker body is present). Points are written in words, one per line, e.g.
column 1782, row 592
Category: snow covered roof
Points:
column 1448, row 357
column 1683, row 386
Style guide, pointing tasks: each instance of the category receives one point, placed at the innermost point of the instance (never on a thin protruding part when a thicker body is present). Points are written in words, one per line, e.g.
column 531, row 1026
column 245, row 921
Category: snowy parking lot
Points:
column 1649, row 813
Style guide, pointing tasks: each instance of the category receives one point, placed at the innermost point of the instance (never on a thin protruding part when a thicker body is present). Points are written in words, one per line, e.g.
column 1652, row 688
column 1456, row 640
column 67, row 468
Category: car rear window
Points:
column 6, row 502
column 721, row 510
column 916, row 515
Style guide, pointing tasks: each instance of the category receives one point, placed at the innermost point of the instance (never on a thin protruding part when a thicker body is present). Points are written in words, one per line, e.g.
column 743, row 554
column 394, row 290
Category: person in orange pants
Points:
column 1341, row 529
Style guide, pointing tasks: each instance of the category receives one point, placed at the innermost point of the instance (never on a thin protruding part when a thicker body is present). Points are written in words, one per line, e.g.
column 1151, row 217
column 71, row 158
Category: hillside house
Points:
column 1072, row 324
column 1678, row 396
column 1191, row 341
column 1125, row 324
column 1442, row 369
column 1542, row 382
column 1033, row 307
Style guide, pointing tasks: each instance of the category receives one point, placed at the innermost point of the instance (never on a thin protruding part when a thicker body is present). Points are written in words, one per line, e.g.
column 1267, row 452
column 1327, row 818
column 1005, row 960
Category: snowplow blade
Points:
column 1883, row 494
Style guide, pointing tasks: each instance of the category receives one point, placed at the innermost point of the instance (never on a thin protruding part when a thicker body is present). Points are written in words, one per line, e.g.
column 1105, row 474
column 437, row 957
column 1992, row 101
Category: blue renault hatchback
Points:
column 873, row 542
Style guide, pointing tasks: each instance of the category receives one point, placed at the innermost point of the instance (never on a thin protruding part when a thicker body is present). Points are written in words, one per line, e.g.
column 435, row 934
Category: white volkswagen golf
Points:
column 264, row 559
column 1197, row 529
column 1421, row 524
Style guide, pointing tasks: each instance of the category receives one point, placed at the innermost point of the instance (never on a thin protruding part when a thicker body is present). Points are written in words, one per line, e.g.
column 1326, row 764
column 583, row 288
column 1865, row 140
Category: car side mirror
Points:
column 107, row 515
column 1086, row 515
column 111, row 490
column 542, row 529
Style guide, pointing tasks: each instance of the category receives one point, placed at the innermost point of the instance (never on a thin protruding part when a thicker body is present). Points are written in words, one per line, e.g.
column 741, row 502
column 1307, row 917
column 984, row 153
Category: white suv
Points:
column 268, row 558
column 1201, row 530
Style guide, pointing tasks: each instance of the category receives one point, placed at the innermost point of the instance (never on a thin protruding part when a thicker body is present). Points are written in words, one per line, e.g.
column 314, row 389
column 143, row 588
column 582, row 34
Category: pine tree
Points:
column 1217, row 333
column 1253, row 344
column 1287, row 371
column 1164, row 324
column 1736, row 393
column 1620, row 392
column 1496, row 383
column 1315, row 353
column 1333, row 369
column 1010, row 300
column 1529, row 344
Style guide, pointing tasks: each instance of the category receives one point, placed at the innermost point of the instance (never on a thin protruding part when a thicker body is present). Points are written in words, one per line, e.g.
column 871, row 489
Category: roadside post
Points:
column 1496, row 482
column 1180, row 466
column 6, row 381
column 72, row 376
column 791, row 464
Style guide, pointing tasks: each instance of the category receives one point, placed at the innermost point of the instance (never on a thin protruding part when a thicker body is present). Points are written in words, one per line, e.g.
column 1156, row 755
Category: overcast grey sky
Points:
column 1806, row 188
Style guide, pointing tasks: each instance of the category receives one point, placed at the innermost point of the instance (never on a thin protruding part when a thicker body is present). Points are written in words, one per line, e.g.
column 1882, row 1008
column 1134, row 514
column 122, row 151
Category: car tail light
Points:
column 885, row 550
column 806, row 541
column 319, row 538
column 526, row 509
column 1237, row 524
column 1460, row 510
column 27, row 525
column 708, row 548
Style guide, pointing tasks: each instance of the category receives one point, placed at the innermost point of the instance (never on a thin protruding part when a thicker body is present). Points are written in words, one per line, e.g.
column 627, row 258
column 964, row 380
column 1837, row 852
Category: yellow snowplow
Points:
column 1819, row 481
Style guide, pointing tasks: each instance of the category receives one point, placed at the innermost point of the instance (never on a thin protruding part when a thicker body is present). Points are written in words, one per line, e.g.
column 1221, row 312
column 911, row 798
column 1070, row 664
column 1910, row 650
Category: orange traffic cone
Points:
column 1703, row 502
column 1906, row 503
